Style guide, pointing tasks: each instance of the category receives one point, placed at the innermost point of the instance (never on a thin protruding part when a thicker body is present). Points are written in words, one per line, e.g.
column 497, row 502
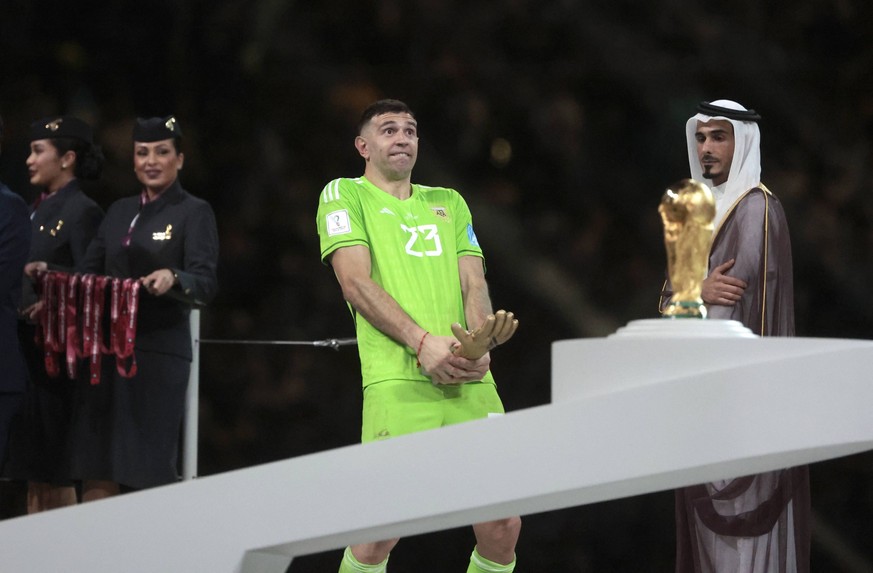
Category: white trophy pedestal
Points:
column 683, row 328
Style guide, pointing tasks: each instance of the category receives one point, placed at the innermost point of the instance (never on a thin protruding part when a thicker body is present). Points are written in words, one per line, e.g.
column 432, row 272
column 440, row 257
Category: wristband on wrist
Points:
column 420, row 344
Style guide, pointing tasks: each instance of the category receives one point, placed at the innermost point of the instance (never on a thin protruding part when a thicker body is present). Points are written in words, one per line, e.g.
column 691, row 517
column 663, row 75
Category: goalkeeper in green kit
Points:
column 412, row 272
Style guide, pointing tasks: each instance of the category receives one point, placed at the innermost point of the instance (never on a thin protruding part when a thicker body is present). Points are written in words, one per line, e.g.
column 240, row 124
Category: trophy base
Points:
column 685, row 309
column 660, row 328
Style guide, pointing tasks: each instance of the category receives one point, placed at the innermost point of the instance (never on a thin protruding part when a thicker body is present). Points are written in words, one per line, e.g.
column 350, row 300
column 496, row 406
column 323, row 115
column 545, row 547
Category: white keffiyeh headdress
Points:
column 745, row 172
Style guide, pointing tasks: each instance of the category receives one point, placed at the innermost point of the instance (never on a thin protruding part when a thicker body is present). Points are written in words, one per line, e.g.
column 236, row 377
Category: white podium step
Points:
column 631, row 415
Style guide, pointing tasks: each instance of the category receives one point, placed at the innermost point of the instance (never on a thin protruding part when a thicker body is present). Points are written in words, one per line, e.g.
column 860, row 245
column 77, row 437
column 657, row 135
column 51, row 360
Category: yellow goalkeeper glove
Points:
column 495, row 330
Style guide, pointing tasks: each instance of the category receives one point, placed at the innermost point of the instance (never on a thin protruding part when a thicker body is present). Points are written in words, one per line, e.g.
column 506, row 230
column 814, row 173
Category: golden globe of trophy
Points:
column 687, row 210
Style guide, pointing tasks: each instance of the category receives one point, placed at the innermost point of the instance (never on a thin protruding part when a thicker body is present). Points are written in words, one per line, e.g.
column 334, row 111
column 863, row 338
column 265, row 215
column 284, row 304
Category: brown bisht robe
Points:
column 758, row 523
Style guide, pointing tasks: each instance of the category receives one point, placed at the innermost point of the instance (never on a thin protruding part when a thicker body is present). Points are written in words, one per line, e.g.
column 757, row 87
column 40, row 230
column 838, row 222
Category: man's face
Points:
column 389, row 142
column 715, row 149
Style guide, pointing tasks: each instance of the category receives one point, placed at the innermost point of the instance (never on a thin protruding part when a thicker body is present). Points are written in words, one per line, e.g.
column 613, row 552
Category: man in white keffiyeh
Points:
column 757, row 523
column 743, row 172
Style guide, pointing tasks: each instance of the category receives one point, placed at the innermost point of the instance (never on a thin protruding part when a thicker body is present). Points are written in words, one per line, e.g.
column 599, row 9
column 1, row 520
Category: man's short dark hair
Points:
column 381, row 107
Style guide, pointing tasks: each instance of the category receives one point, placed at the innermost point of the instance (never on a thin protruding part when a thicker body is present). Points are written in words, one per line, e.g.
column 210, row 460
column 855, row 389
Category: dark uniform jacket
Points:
column 14, row 246
column 62, row 226
column 176, row 231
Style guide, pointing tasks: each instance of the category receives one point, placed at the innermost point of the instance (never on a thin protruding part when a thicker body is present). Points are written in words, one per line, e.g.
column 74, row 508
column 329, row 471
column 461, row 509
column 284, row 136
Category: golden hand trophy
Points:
column 687, row 210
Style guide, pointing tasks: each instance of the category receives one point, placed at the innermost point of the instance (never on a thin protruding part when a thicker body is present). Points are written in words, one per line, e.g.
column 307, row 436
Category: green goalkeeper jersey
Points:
column 414, row 248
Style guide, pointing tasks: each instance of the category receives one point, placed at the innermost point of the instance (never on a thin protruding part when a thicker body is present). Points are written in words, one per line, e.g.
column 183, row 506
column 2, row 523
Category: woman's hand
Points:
column 32, row 268
column 159, row 282
column 33, row 312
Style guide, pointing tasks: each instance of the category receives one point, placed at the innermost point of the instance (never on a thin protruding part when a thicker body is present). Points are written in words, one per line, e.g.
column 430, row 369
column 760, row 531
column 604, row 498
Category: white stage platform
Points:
column 642, row 411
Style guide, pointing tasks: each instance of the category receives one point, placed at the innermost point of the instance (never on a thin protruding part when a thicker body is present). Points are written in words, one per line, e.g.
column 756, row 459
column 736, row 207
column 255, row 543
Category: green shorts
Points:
column 397, row 407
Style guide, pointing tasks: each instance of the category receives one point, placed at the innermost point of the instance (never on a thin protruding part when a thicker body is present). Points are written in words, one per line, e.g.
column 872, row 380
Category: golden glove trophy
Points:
column 687, row 210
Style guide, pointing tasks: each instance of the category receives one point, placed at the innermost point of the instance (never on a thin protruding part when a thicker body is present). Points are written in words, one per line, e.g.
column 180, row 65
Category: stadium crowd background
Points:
column 560, row 121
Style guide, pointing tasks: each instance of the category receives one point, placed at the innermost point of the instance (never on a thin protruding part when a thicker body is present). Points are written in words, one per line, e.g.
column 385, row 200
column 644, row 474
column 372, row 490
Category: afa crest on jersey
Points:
column 440, row 212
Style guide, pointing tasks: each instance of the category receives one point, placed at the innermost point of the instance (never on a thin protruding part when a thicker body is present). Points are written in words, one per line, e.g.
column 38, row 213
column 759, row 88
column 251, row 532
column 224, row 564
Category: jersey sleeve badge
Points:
column 471, row 235
column 338, row 223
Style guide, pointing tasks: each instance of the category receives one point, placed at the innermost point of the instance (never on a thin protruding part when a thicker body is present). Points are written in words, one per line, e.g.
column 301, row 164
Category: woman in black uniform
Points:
column 126, row 430
column 63, row 222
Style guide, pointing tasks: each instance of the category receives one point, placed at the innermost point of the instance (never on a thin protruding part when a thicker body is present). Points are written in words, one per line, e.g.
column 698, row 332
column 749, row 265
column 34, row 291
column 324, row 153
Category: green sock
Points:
column 351, row 565
column 479, row 564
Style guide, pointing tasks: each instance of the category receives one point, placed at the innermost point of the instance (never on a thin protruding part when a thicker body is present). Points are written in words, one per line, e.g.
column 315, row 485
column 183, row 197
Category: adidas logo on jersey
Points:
column 386, row 211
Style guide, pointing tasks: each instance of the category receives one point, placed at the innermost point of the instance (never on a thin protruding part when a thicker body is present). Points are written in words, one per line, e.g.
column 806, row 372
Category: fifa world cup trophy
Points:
column 687, row 210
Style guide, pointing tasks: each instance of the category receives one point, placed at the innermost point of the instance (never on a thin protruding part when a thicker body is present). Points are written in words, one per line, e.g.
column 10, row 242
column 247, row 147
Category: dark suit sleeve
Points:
column 14, row 248
column 197, row 280
column 14, row 244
